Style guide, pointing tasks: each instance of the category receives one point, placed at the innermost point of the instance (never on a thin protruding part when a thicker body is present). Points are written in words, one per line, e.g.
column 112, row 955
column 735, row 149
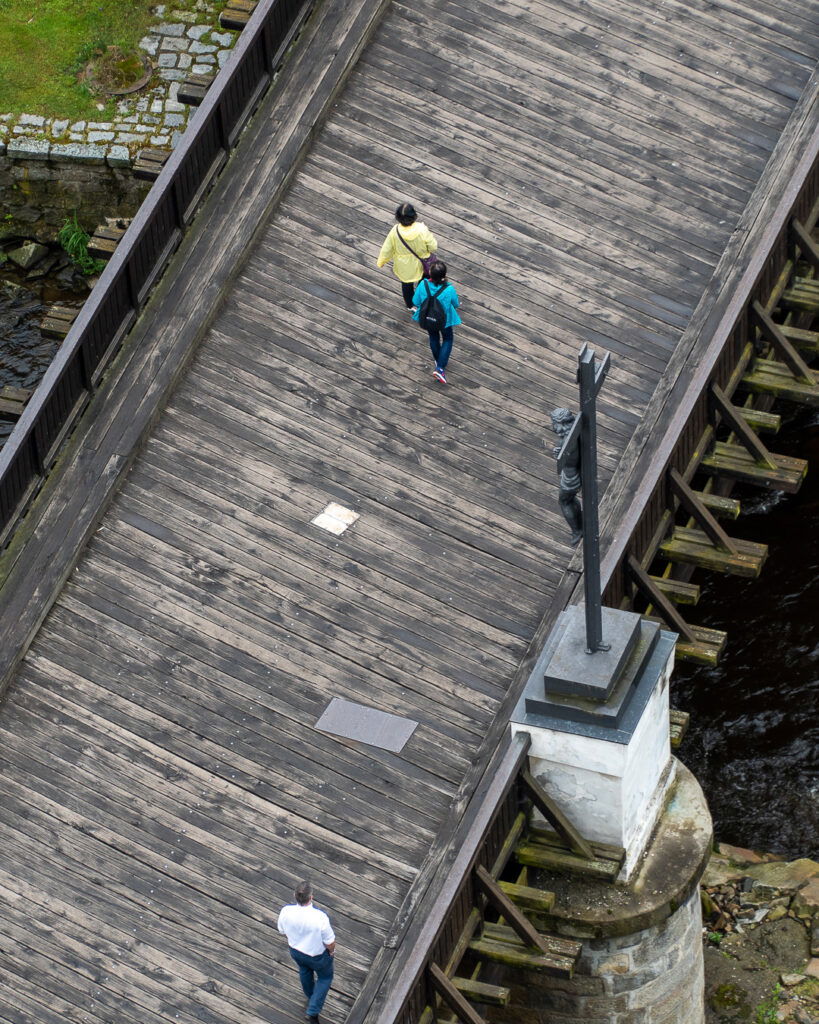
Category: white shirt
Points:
column 307, row 928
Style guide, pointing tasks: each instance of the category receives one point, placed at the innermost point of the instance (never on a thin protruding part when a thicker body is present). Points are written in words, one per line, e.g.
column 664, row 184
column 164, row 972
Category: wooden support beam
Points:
column 783, row 348
column 552, row 813
column 497, row 898
column 501, row 946
column 57, row 321
column 149, row 162
column 740, row 427
column 800, row 239
column 13, row 401
column 539, row 901
column 762, row 422
column 452, row 997
column 695, row 508
column 237, row 14
column 679, row 726
column 678, row 591
column 771, row 377
column 806, row 341
column 482, row 991
column 545, row 849
column 194, row 88
column 726, row 508
column 103, row 243
column 802, row 295
column 657, row 598
column 693, row 547
column 732, row 460
column 705, row 649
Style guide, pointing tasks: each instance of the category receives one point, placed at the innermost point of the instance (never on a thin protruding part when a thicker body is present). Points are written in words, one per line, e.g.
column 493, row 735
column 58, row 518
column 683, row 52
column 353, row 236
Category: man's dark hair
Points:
column 437, row 272
column 406, row 215
column 304, row 893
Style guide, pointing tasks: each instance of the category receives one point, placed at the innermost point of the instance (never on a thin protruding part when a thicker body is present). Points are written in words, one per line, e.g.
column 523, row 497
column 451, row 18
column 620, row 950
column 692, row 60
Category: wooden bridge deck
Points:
column 583, row 166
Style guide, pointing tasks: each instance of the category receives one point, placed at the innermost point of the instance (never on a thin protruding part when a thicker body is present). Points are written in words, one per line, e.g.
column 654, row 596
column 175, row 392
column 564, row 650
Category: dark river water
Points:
column 24, row 353
column 754, row 739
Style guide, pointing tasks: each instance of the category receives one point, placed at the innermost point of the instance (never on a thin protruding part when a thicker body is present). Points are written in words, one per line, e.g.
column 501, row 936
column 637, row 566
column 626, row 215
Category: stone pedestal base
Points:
column 642, row 942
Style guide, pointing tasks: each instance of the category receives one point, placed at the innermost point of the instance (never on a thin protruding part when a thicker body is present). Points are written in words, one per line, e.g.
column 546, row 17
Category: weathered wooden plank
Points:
column 785, row 473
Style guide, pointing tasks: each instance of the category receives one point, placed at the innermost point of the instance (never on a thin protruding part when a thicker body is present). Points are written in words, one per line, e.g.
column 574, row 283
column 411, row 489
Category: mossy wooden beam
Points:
column 705, row 647
column 528, row 898
column 761, row 422
column 771, row 377
column 552, row 944
column 784, row 473
column 724, row 508
column 525, row 959
column 802, row 241
column 57, row 321
column 536, row 855
column 678, row 591
column 780, row 344
column 452, row 997
column 692, row 547
column 806, row 341
column 679, row 726
column 483, row 992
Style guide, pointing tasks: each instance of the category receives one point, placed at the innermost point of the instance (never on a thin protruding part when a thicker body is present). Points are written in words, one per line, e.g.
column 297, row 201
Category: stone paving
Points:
column 185, row 39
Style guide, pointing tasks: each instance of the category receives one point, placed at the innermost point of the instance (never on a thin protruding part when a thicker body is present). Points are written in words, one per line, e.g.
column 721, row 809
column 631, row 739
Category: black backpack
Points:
column 432, row 315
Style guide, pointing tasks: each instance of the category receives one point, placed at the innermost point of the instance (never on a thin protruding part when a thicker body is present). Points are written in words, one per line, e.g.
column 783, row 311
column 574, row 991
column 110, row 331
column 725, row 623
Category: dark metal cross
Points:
column 590, row 377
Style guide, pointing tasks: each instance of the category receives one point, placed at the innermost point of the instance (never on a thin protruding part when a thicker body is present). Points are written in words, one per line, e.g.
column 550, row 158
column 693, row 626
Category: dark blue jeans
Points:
column 316, row 973
column 441, row 349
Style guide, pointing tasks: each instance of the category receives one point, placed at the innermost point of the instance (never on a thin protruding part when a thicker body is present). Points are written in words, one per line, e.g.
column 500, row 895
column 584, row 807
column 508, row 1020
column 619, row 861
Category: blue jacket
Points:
column 448, row 299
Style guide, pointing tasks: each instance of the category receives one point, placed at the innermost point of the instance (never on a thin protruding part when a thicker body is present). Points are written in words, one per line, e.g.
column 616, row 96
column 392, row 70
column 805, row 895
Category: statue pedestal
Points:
column 599, row 726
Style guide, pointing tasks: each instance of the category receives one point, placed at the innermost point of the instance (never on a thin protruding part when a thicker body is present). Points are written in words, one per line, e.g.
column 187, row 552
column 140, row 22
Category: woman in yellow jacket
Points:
column 406, row 244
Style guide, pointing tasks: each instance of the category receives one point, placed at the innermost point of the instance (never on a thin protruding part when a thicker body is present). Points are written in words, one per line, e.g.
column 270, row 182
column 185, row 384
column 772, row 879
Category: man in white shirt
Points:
column 312, row 945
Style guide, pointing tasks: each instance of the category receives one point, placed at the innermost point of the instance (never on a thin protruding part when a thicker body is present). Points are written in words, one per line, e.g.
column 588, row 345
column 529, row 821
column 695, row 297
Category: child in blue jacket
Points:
column 440, row 342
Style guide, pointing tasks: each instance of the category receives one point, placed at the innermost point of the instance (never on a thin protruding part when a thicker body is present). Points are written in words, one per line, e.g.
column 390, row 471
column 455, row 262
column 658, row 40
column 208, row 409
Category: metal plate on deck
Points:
column 367, row 725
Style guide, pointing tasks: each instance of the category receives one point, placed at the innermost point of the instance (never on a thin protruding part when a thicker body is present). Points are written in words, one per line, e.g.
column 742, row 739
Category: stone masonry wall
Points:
column 652, row 977
column 38, row 195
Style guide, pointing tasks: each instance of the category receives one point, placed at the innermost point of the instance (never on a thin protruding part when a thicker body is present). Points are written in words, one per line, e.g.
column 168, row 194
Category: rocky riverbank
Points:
column 761, row 934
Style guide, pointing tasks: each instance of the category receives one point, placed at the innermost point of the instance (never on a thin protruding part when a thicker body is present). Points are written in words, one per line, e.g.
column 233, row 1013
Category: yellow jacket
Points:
column 405, row 266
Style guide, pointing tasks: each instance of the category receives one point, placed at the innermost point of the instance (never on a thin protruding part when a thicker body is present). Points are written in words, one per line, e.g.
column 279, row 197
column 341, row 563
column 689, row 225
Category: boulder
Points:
column 806, row 902
column 812, row 968
column 789, row 980
column 27, row 254
column 739, row 855
column 788, row 875
column 719, row 871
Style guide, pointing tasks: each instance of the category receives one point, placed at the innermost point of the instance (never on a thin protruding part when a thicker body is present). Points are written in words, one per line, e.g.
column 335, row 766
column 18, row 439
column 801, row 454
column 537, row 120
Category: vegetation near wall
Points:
column 45, row 45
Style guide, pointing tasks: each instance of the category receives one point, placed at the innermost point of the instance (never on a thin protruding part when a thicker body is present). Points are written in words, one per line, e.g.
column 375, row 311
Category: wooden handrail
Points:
column 145, row 247
column 382, row 1001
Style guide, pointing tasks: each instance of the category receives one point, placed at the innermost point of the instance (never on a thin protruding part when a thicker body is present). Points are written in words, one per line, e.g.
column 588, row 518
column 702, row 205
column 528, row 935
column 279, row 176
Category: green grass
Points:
column 43, row 43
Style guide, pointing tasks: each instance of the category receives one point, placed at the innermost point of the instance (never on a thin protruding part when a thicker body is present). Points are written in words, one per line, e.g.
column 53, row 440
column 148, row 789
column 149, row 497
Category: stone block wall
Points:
column 38, row 195
column 654, row 976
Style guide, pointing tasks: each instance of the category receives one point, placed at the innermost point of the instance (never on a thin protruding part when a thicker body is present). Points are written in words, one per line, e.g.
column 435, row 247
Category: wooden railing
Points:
column 141, row 255
column 642, row 516
column 402, row 991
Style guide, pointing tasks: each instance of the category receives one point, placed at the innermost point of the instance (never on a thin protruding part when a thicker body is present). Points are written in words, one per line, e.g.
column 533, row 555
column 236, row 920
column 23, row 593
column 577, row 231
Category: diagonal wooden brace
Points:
column 740, row 427
column 695, row 508
column 659, row 600
column 556, row 818
column 787, row 353
column 801, row 239
column 522, row 926
column 452, row 997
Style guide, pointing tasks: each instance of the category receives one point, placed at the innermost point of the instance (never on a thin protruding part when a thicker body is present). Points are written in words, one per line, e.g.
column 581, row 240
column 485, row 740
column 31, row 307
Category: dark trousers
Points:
column 408, row 290
column 316, row 974
column 441, row 350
